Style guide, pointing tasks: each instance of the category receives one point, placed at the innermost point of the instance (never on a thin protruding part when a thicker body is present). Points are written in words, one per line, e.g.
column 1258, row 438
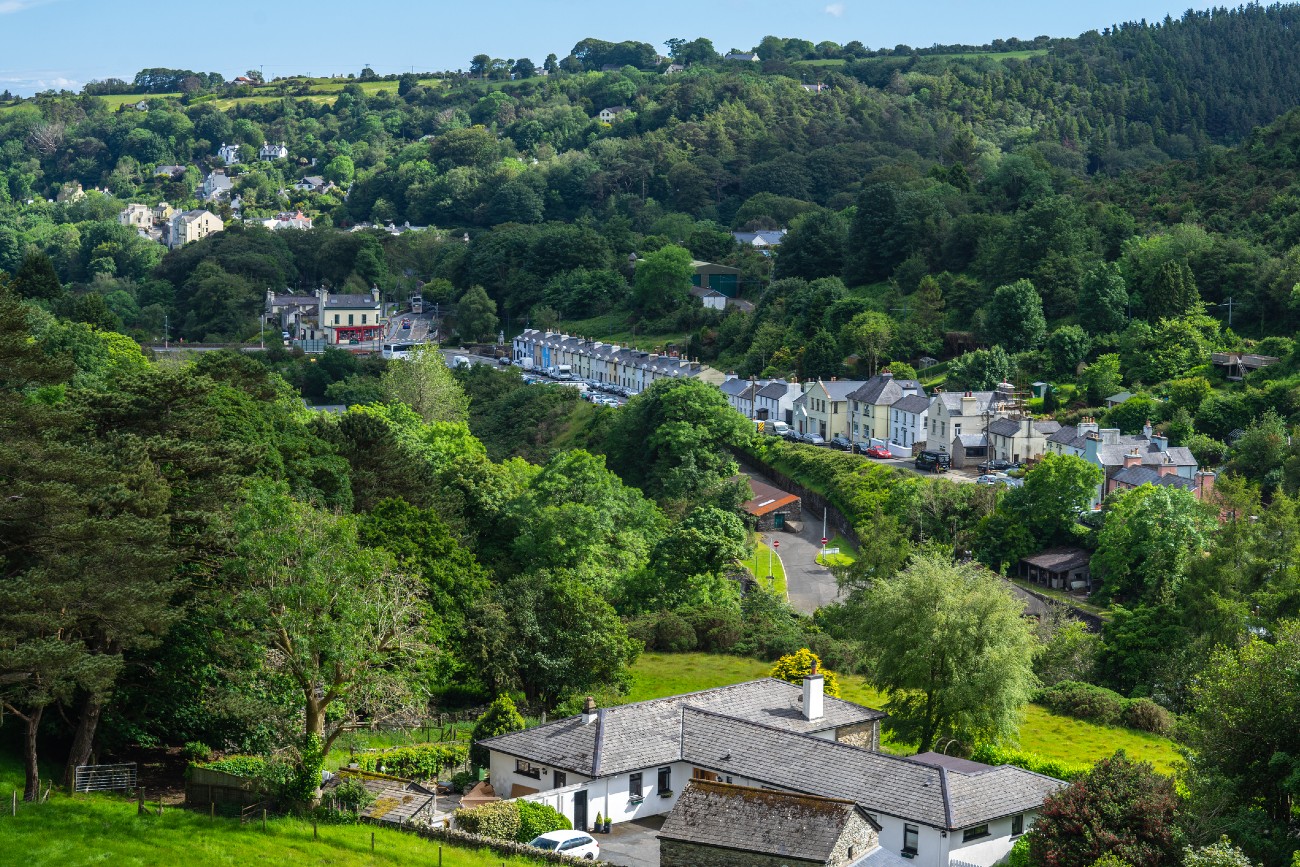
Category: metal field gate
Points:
column 105, row 778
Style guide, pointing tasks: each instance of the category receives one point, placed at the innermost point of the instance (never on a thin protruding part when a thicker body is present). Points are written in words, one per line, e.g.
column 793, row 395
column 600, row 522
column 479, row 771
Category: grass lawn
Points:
column 766, row 555
column 104, row 829
column 1049, row 735
column 616, row 328
column 845, row 557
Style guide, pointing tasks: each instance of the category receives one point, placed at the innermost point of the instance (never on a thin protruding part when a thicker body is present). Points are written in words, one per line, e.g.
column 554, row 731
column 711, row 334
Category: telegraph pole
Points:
column 1230, row 303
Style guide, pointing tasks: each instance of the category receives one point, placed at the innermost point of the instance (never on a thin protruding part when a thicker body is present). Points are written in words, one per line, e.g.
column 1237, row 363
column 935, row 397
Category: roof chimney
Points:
column 589, row 711
column 1146, row 429
column 1133, row 458
column 814, row 686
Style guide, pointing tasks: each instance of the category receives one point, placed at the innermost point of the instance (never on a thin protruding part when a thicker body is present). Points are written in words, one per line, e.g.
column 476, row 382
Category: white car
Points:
column 576, row 844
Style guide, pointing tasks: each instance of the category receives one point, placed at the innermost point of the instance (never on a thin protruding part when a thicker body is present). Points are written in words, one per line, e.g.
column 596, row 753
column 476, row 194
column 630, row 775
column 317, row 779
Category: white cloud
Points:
column 27, row 85
column 835, row 10
column 8, row 7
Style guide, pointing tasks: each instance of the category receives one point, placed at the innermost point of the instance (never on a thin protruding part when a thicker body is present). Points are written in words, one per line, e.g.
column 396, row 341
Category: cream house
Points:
column 189, row 226
column 871, row 402
column 825, row 407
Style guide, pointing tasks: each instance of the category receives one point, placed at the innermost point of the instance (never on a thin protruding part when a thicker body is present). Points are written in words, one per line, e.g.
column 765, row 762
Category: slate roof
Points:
column 396, row 801
column 1112, row 454
column 346, row 301
column 1119, row 398
column 784, row 824
column 774, row 390
column 913, row 403
column 878, row 782
column 1005, row 427
column 1047, row 426
column 647, row 733
column 1136, row 476
column 953, row 400
column 733, row 387
column 766, row 237
column 1067, row 435
column 973, row 440
column 1060, row 559
column 840, row 389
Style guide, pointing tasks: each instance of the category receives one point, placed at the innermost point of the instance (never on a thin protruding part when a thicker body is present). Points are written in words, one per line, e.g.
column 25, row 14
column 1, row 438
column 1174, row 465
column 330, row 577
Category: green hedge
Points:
column 1100, row 705
column 992, row 755
column 273, row 774
column 852, row 484
column 537, row 819
column 499, row 820
column 417, row 762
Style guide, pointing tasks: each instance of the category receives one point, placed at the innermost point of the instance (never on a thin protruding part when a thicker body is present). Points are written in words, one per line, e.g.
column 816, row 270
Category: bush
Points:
column 416, row 762
column 642, row 629
column 794, row 667
column 463, row 781
column 537, row 819
column 673, row 634
column 500, row 718
column 1084, row 701
column 499, row 820
column 995, row 755
column 1019, row 854
column 197, row 751
column 272, row 775
column 1145, row 715
column 717, row 627
column 352, row 795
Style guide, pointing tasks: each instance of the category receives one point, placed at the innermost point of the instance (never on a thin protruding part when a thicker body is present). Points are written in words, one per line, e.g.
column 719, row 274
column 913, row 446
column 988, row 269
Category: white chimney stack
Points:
column 589, row 710
column 813, row 690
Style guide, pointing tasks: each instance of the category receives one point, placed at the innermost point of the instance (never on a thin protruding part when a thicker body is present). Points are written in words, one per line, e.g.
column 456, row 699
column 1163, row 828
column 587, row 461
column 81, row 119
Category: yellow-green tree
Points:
column 794, row 667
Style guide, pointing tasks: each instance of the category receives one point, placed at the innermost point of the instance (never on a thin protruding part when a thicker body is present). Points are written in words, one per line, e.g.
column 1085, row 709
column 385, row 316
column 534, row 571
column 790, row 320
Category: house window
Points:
column 1017, row 825
column 634, row 785
column 524, row 769
column 911, row 836
column 350, row 318
column 701, row 774
column 956, row 430
column 336, row 319
column 976, row 833
column 665, row 781
column 363, row 319
column 561, row 780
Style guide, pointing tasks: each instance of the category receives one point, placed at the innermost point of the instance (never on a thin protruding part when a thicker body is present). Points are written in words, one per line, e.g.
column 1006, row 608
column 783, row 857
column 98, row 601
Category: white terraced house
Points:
column 635, row 760
column 603, row 362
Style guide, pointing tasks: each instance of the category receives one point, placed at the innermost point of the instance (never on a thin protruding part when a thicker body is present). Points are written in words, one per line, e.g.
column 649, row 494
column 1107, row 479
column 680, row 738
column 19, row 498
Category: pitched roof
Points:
column 1067, row 435
column 733, row 387
column 787, row 825
column 634, row 736
column 351, row 301
column 1136, row 476
column 1005, row 427
column 1047, row 426
column 972, row 440
column 1060, row 559
column 774, row 390
column 840, row 389
column 954, row 400
column 877, row 390
column 878, row 782
column 1121, row 397
column 913, row 403
column 767, row 499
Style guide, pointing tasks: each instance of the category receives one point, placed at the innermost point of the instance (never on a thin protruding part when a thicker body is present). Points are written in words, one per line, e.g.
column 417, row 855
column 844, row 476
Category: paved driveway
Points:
column 632, row 844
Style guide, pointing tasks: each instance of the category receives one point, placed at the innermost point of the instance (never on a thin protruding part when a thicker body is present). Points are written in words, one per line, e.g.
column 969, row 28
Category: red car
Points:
column 878, row 452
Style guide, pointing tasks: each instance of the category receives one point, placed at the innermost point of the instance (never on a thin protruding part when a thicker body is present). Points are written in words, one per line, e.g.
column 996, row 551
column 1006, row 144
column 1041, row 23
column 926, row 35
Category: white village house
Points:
column 635, row 760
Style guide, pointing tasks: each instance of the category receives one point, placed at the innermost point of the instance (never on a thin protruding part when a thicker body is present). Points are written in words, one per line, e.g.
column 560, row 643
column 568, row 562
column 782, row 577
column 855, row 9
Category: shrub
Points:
column 642, row 629
column 463, row 781
column 416, row 762
column 272, row 775
column 500, row 718
column 717, row 627
column 352, row 795
column 995, row 755
column 1145, row 715
column 537, row 819
column 196, row 751
column 794, row 667
column 1084, row 701
column 673, row 634
column 499, row 820
column 1019, row 854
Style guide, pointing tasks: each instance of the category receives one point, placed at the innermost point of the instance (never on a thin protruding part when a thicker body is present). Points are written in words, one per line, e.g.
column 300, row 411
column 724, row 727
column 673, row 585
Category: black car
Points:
column 996, row 466
column 841, row 443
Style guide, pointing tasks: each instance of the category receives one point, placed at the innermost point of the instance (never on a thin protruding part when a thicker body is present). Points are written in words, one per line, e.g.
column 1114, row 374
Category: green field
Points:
column 845, row 557
column 104, row 829
column 1049, row 735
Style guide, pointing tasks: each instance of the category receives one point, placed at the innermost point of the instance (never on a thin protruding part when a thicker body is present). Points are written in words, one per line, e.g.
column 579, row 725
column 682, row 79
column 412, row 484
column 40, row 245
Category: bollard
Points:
column 15, row 807
column 439, row 856
column 139, row 806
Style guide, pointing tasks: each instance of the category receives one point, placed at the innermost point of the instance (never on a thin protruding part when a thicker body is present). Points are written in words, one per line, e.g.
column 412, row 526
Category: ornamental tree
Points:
column 1120, row 808
column 794, row 667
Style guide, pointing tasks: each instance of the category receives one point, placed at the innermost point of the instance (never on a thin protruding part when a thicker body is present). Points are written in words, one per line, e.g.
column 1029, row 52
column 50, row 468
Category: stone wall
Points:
column 865, row 735
column 675, row 853
column 507, row 849
column 858, row 838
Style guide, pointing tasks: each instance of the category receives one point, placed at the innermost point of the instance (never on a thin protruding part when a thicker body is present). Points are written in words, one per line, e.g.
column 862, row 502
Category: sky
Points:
column 64, row 43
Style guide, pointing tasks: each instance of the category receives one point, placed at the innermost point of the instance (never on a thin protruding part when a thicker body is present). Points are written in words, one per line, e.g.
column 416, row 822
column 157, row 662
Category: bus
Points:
column 398, row 350
column 417, row 303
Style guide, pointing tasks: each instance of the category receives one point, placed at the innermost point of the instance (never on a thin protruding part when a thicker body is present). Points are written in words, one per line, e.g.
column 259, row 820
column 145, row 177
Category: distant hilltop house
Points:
column 761, row 240
column 142, row 105
column 189, row 226
column 746, row 56
column 611, row 114
column 313, row 184
column 169, row 171
column 270, row 151
column 288, row 220
column 674, row 68
column 216, row 186
column 228, row 153
column 814, row 88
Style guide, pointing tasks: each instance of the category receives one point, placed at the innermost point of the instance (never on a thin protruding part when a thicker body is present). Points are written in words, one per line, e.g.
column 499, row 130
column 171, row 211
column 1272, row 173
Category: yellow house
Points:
column 823, row 408
column 869, row 405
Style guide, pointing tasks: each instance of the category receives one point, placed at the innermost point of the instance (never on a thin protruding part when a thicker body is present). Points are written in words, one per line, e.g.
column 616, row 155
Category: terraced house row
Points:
column 610, row 363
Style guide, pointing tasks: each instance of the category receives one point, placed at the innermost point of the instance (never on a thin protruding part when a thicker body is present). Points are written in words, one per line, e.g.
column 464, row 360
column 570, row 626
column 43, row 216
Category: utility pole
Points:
column 166, row 328
column 1230, row 303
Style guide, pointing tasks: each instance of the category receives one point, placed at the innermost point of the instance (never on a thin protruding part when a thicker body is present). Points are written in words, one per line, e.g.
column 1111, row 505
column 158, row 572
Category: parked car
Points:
column 792, row 435
column 842, row 443
column 879, row 452
column 987, row 479
column 503, row 361
column 575, row 844
column 813, row 439
column 935, row 462
column 997, row 465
